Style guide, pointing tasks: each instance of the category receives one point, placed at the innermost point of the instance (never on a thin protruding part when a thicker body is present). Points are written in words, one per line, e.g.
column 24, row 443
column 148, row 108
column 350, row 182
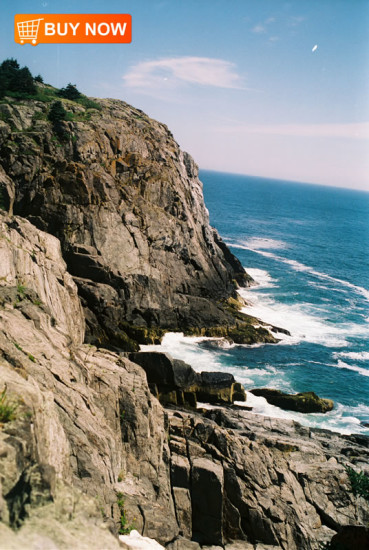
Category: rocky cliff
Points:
column 85, row 449
column 127, row 205
column 88, row 450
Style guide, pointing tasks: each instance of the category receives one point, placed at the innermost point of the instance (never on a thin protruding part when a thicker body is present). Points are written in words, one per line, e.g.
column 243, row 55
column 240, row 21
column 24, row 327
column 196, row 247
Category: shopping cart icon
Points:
column 28, row 30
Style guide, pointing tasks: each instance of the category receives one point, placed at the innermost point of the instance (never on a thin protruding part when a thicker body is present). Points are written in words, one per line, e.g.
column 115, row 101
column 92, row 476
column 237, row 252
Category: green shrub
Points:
column 89, row 103
column 21, row 289
column 359, row 483
column 7, row 408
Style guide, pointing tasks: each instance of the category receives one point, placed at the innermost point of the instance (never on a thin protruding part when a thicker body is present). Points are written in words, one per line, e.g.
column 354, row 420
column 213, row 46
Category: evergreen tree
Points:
column 57, row 113
column 70, row 92
column 24, row 82
column 15, row 79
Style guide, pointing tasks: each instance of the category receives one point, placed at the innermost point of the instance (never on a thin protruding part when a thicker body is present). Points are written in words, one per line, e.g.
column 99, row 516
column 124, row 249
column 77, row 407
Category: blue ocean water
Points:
column 307, row 248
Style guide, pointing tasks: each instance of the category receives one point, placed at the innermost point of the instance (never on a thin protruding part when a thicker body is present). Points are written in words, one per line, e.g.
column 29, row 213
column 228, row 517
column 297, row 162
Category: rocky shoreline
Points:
column 96, row 438
column 87, row 429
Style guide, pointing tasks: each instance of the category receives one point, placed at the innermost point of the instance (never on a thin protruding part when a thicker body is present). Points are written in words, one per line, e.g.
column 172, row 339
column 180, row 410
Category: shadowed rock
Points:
column 176, row 382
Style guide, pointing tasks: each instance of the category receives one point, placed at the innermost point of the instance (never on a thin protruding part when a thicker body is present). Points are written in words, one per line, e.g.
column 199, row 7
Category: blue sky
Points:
column 237, row 81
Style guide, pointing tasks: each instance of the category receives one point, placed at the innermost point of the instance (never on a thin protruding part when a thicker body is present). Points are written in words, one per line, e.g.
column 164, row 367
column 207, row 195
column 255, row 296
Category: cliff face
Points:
column 127, row 206
column 87, row 449
column 85, row 417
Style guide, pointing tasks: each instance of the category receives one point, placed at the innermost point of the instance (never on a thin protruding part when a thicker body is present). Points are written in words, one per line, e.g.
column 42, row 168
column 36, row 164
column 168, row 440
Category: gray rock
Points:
column 87, row 428
column 207, row 501
column 183, row 507
column 183, row 544
column 239, row 545
column 84, row 415
column 164, row 371
column 281, row 482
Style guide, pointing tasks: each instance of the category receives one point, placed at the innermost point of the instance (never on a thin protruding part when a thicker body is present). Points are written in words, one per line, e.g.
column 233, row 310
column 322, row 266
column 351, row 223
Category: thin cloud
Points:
column 296, row 20
column 358, row 130
column 262, row 28
column 173, row 72
column 258, row 29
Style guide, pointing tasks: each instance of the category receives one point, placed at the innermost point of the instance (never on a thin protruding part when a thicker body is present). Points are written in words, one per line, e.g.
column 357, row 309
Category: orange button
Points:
column 64, row 28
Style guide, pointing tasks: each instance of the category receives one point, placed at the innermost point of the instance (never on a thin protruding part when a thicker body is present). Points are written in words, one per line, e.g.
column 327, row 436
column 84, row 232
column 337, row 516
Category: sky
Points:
column 269, row 88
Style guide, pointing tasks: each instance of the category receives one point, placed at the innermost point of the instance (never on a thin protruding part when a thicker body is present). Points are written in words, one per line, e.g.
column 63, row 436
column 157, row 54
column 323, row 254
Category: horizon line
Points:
column 286, row 180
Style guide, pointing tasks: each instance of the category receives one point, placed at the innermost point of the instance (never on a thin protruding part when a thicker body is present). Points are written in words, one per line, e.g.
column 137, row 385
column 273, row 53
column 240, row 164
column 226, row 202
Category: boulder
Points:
column 164, row 370
column 219, row 387
column 307, row 402
column 183, row 544
column 175, row 382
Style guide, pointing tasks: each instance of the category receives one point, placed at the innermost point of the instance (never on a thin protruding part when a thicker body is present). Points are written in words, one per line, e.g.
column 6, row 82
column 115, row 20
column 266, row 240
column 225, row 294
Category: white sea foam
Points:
column 202, row 359
column 304, row 321
column 262, row 243
column 355, row 355
column 298, row 266
column 261, row 277
column 360, row 370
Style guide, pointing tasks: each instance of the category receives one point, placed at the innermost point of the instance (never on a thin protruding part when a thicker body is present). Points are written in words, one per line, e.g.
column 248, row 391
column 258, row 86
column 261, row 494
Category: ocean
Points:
column 307, row 248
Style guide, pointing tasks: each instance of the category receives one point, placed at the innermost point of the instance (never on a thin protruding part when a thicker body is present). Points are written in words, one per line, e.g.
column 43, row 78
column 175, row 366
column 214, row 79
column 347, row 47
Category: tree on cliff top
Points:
column 70, row 92
column 15, row 79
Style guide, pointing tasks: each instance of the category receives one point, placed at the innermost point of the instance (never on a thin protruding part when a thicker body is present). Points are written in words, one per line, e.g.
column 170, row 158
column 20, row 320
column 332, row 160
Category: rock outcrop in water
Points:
column 306, row 402
column 88, row 450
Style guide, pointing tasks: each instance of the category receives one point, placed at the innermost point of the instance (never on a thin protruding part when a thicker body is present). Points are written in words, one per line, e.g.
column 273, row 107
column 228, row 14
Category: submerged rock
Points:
column 306, row 402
